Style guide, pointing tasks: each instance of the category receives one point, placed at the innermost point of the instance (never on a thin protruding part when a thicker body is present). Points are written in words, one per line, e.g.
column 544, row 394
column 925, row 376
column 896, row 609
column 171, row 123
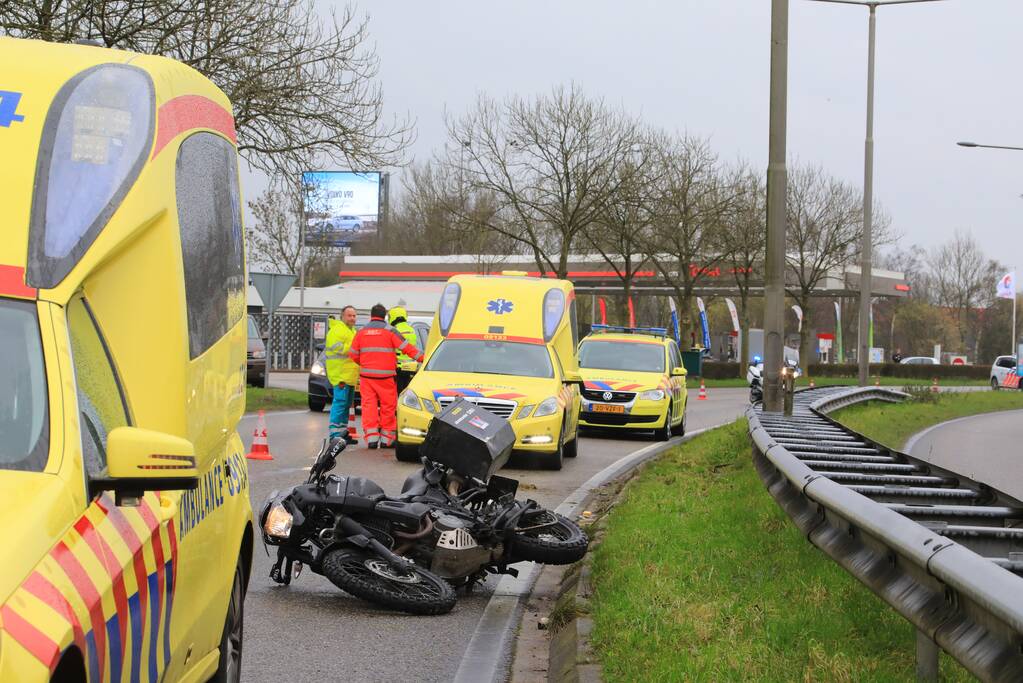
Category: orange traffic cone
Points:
column 353, row 433
column 703, row 391
column 934, row 385
column 812, row 385
column 260, row 446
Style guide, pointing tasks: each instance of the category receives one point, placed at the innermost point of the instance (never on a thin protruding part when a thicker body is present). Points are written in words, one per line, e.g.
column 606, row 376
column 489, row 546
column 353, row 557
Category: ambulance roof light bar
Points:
column 660, row 331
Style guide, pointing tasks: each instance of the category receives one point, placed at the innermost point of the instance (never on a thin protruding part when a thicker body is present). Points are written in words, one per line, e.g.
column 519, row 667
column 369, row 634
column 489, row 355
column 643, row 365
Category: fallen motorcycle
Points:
column 454, row 522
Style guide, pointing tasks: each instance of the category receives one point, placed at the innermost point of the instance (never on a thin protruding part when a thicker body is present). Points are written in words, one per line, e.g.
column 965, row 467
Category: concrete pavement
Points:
column 313, row 631
column 986, row 448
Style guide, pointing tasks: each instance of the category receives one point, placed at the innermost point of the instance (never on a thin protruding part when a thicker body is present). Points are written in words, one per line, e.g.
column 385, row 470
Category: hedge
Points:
column 713, row 370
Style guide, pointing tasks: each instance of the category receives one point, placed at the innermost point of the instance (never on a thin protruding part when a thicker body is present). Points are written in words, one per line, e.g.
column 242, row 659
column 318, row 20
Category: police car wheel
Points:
column 316, row 404
column 994, row 384
column 229, row 669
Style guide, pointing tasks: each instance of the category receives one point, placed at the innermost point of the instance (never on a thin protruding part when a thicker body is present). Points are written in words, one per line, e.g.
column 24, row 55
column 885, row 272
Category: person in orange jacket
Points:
column 373, row 349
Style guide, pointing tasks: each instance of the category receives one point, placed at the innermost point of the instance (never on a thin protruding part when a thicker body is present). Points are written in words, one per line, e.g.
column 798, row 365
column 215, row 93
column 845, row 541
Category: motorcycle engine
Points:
column 457, row 554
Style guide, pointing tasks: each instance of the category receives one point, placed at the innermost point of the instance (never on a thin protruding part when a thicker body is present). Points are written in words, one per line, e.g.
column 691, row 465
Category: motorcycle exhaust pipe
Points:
column 358, row 535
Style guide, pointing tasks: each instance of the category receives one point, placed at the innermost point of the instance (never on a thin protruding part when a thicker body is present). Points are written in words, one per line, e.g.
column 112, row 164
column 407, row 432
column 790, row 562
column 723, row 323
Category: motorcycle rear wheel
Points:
column 366, row 576
column 563, row 542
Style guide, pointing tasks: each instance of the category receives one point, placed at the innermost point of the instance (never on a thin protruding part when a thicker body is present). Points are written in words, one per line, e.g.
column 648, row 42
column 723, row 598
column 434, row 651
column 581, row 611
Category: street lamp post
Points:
column 777, row 178
column 866, row 276
column 1014, row 348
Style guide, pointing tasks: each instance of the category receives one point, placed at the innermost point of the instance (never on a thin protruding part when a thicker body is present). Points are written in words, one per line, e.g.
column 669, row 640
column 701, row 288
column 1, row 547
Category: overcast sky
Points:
column 946, row 71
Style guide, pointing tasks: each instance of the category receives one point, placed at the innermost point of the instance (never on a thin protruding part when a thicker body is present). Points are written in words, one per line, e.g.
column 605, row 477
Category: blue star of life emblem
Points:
column 499, row 306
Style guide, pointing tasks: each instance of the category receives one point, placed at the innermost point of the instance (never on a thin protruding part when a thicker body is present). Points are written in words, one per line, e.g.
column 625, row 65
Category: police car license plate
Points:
column 601, row 408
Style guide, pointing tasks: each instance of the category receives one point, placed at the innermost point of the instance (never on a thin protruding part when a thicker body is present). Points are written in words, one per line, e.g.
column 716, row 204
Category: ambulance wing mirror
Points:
column 574, row 378
column 140, row 460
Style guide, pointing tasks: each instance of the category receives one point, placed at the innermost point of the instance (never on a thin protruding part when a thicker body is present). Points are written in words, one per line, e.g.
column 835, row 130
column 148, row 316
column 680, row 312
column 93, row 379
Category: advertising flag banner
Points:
column 733, row 313
column 839, row 356
column 341, row 207
column 632, row 313
column 674, row 320
column 1007, row 286
column 799, row 316
column 703, row 323
column 603, row 310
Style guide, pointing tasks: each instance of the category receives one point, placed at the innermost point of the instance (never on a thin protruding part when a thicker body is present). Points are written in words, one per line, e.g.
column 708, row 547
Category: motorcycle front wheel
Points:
column 414, row 589
column 548, row 538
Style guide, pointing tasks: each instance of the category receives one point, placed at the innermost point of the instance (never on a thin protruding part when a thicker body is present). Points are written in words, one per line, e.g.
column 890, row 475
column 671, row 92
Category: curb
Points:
column 488, row 654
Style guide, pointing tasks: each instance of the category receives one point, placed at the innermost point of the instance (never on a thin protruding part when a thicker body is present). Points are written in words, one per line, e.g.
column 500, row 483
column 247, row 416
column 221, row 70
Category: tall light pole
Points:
column 866, row 275
column 777, row 178
column 1014, row 348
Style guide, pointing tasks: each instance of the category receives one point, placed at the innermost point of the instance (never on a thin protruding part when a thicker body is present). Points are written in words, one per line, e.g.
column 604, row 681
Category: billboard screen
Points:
column 341, row 207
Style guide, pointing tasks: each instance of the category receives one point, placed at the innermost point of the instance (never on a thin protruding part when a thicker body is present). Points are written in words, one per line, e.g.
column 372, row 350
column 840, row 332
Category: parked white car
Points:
column 919, row 360
column 1002, row 368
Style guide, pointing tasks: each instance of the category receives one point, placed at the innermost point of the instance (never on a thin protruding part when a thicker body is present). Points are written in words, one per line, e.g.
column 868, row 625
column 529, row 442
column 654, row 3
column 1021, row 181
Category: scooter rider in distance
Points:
column 374, row 350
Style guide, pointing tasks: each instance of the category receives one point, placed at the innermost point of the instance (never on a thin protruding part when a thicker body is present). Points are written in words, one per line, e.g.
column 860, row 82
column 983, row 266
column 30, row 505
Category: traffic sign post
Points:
column 272, row 288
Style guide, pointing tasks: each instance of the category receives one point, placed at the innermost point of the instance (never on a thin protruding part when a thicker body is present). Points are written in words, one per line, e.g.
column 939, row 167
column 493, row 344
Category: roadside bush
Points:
column 714, row 370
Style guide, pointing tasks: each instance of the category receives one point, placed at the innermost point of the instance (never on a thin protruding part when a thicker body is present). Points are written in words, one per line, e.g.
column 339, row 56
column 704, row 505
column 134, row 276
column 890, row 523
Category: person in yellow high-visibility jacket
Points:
column 398, row 317
column 342, row 372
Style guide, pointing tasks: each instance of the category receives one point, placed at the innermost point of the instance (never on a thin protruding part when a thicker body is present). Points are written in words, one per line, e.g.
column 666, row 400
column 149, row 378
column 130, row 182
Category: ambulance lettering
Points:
column 229, row 477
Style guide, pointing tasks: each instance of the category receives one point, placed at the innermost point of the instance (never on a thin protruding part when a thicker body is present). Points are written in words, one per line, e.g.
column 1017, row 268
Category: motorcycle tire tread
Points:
column 569, row 551
column 372, row 592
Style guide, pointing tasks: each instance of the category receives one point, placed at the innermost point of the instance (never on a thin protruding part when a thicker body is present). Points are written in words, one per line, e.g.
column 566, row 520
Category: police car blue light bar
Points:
column 663, row 331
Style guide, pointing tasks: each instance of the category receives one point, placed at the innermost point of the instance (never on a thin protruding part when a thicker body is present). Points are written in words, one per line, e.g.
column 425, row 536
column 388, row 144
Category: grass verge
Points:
column 847, row 381
column 892, row 424
column 257, row 398
column 701, row 576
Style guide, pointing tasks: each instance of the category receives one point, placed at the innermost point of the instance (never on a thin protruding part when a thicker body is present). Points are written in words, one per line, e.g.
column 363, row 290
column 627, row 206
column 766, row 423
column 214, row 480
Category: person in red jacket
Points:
column 373, row 349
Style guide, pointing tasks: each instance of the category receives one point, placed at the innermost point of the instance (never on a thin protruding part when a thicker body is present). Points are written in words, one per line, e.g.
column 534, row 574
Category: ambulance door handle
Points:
column 168, row 508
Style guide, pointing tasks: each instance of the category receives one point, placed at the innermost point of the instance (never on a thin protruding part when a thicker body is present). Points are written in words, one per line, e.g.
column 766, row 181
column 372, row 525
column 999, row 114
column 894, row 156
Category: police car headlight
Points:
column 655, row 395
column 262, row 354
column 278, row 522
column 410, row 400
column 548, row 406
column 318, row 369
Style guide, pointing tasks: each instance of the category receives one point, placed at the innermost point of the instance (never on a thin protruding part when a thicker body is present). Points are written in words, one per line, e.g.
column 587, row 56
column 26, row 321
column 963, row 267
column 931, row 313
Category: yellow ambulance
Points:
column 127, row 532
column 634, row 380
column 507, row 343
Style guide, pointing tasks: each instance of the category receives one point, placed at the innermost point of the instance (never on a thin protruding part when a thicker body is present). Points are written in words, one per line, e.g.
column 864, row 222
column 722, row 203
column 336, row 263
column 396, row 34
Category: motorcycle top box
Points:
column 469, row 439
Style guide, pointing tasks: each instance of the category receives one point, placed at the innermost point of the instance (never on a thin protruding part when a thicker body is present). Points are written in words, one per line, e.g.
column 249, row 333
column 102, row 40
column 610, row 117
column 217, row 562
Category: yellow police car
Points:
column 127, row 534
column 633, row 379
column 507, row 343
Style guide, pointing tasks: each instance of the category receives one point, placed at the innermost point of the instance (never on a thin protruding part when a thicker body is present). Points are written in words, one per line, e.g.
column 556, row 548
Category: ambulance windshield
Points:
column 492, row 358
column 24, row 426
column 628, row 356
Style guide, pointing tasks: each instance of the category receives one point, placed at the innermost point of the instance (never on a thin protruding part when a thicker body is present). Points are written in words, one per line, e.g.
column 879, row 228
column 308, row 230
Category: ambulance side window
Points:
column 209, row 214
column 101, row 403
column 675, row 357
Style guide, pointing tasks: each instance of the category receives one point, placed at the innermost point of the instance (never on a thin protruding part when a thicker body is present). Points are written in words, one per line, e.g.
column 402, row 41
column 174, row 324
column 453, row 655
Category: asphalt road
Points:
column 312, row 631
column 986, row 448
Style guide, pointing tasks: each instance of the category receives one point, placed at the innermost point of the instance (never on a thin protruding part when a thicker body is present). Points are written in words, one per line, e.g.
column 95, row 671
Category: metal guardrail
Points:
column 942, row 550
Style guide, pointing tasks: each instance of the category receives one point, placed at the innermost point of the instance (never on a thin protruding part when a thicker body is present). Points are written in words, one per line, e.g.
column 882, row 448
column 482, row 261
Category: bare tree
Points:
column 438, row 214
column 273, row 238
column 825, row 229
column 746, row 242
column 964, row 281
column 551, row 164
column 690, row 206
column 622, row 231
column 303, row 85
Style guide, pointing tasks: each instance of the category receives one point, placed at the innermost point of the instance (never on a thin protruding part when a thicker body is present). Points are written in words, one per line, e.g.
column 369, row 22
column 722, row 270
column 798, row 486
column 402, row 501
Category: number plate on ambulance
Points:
column 601, row 408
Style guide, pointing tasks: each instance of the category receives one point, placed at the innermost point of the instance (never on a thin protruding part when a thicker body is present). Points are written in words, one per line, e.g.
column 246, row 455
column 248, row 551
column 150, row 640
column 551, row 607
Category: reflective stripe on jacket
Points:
column 374, row 349
column 340, row 367
column 409, row 333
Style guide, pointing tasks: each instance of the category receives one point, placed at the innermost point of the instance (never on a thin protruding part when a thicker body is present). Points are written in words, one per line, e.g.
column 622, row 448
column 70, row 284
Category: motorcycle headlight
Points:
column 654, row 395
column 410, row 400
column 316, row 369
column 548, row 406
column 278, row 522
